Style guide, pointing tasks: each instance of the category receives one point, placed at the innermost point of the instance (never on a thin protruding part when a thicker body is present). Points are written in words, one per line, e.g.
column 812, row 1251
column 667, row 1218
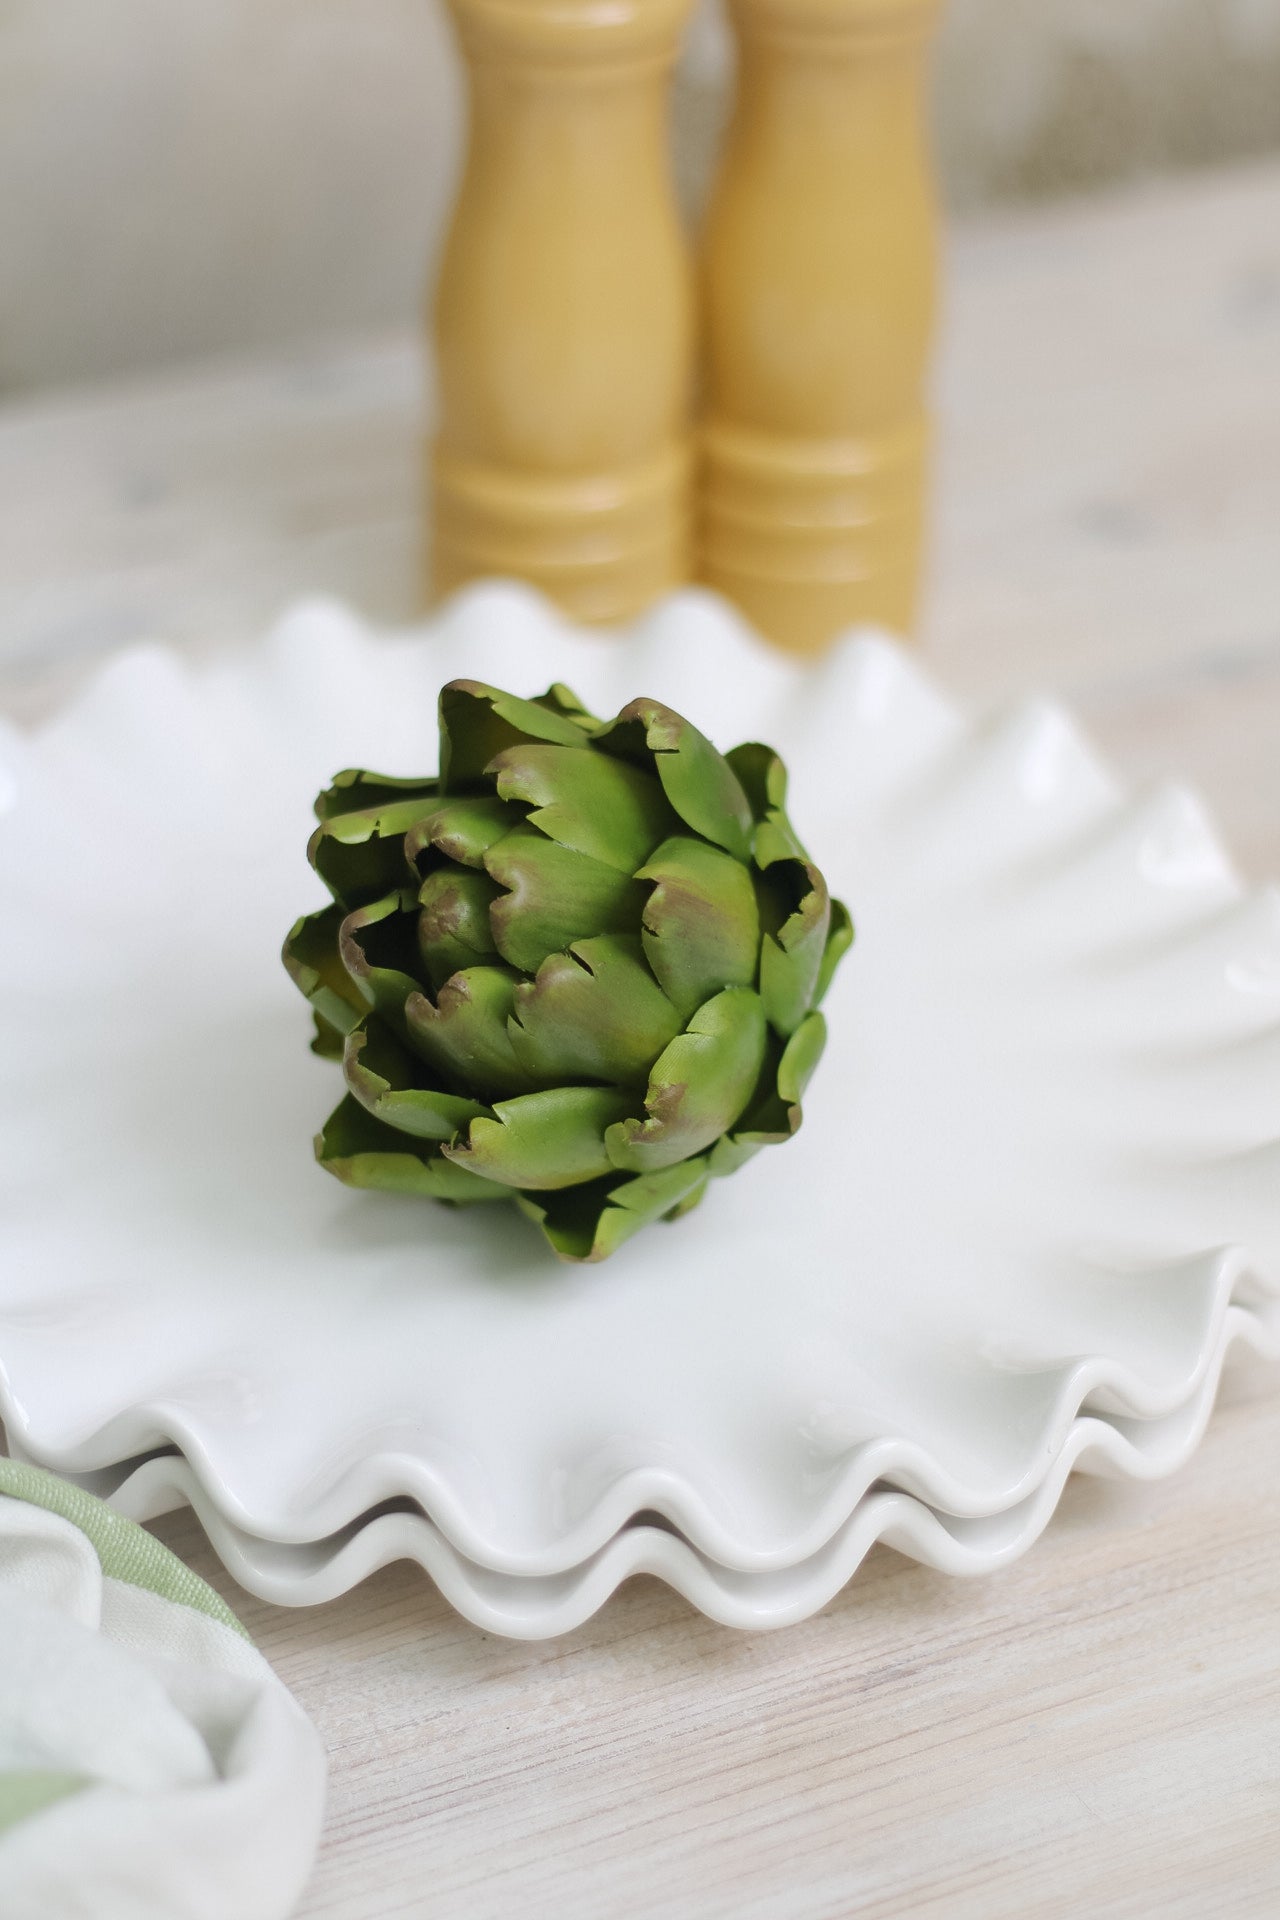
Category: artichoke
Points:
column 579, row 969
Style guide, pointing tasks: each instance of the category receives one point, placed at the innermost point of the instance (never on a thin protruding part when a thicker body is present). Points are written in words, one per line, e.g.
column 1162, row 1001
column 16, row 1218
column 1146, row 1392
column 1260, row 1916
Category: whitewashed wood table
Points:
column 1096, row 1729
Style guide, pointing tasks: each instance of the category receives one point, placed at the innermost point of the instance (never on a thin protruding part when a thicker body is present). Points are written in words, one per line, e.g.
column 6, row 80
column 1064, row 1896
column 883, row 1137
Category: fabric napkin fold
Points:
column 152, row 1766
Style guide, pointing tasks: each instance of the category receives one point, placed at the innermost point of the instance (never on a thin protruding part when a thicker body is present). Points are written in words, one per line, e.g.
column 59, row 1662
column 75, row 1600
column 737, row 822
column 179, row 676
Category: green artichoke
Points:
column 580, row 969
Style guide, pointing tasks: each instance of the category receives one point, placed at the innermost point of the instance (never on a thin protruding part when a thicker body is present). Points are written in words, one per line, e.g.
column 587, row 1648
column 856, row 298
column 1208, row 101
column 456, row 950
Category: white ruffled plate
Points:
column 1041, row 1156
column 539, row 1606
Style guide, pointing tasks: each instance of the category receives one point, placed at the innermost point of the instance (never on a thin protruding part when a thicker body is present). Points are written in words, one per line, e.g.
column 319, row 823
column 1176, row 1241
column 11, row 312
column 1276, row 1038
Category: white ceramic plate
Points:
column 1047, row 1126
column 538, row 1606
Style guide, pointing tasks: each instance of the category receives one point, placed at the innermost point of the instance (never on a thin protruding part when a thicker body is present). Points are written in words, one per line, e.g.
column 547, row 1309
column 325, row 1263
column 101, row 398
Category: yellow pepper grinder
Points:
column 563, row 323
column 818, row 293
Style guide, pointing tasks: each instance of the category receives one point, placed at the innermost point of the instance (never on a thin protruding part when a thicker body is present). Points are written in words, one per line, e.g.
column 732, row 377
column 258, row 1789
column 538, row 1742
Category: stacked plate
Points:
column 1035, row 1200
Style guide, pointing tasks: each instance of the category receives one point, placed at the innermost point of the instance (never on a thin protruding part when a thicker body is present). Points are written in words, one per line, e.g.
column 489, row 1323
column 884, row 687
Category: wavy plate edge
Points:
column 537, row 1608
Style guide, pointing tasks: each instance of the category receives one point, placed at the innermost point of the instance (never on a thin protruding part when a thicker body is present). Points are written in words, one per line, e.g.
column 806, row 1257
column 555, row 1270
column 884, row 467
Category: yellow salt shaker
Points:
column 564, row 322
column 818, row 303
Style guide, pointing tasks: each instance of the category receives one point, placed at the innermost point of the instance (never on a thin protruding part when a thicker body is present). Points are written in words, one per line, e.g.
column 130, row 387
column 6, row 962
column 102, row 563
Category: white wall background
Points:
column 180, row 177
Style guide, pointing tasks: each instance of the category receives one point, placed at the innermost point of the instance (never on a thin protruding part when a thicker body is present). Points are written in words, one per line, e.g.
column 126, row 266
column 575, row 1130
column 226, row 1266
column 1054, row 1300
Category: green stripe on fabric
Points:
column 31, row 1790
column 126, row 1550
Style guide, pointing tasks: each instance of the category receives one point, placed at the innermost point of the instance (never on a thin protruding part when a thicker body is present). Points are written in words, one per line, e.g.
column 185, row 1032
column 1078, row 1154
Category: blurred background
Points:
column 219, row 221
column 188, row 177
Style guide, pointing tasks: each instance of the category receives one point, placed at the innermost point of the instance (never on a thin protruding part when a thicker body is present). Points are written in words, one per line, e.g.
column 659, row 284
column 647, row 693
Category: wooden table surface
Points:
column 1096, row 1729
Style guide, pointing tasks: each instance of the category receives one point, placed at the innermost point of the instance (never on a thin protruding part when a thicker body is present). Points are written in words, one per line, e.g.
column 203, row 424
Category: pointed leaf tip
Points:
column 839, row 940
column 699, row 1086
column 544, row 1140
column 463, row 1035
column 794, row 941
column 590, row 802
column 554, row 896
column 594, row 1013
column 312, row 958
column 698, row 780
column 584, row 1225
column 479, row 721
column 363, row 1151
column 392, row 1084
column 701, row 928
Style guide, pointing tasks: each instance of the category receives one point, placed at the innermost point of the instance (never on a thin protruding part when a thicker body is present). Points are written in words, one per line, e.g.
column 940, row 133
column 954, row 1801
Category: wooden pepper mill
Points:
column 563, row 319
column 818, row 295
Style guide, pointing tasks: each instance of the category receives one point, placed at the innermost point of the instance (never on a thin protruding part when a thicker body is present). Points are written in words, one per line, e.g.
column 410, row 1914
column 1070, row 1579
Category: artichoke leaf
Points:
column 733, row 1150
column 776, row 839
column 387, row 1081
column 588, row 1223
column 453, row 927
column 701, row 928
column 555, row 896
column 593, row 1013
column 690, row 1199
column 326, row 1041
column 361, row 856
column 791, row 952
column 363, row 1151
column 460, row 830
column 386, row 819
column 699, row 1085
column 762, row 775
column 839, row 941
column 561, row 699
column 776, row 1114
column 698, row 781
column 545, row 1140
column 314, row 964
column 591, row 802
column 800, row 1057
column 356, row 791
column 378, row 945
column 479, row 721
column 768, row 1122
column 462, row 1035
column 764, row 781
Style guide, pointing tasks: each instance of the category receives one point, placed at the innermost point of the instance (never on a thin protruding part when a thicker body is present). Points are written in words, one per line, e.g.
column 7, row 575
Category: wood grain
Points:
column 1096, row 1729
